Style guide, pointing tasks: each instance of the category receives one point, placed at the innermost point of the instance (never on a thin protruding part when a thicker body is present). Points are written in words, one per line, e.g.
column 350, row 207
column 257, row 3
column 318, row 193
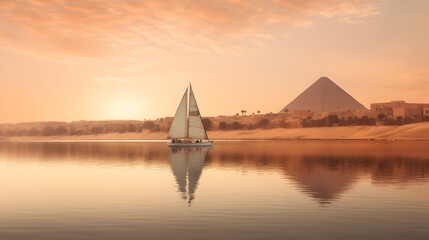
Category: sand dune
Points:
column 418, row 131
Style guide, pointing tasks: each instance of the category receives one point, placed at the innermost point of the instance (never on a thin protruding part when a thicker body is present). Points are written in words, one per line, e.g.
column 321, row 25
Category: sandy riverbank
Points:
column 418, row 131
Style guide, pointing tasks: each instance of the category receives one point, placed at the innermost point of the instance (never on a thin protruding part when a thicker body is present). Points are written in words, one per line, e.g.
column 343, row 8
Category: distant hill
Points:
column 324, row 96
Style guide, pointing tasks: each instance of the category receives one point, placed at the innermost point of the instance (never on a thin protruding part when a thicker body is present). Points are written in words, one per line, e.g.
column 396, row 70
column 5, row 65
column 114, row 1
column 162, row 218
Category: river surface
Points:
column 234, row 190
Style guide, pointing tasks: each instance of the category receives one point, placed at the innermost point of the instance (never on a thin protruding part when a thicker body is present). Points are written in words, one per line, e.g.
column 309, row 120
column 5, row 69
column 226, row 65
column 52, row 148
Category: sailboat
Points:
column 187, row 128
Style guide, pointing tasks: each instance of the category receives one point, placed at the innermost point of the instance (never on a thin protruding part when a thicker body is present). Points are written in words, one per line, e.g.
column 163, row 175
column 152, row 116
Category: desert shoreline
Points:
column 417, row 131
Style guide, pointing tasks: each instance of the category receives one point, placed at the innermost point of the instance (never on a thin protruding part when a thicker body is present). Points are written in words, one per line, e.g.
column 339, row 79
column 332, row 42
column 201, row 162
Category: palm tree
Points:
column 243, row 112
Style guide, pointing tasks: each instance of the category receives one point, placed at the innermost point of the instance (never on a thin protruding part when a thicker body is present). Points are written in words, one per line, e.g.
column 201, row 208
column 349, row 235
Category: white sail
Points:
column 179, row 126
column 196, row 127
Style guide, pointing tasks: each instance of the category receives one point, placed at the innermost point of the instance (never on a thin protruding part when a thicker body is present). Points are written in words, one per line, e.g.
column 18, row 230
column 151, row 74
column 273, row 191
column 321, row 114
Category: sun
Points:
column 125, row 108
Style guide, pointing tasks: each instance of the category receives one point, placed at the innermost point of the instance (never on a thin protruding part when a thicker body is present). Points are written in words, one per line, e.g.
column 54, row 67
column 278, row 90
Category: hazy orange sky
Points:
column 80, row 59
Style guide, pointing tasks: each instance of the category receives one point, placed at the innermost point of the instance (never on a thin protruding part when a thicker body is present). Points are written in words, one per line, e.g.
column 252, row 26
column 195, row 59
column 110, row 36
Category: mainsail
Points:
column 187, row 122
column 179, row 127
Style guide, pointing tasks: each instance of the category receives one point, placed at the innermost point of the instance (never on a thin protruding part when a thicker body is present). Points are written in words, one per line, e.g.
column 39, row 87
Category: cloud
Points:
column 153, row 28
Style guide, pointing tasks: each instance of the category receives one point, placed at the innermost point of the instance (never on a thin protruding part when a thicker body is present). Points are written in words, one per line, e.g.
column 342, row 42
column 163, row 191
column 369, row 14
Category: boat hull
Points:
column 200, row 144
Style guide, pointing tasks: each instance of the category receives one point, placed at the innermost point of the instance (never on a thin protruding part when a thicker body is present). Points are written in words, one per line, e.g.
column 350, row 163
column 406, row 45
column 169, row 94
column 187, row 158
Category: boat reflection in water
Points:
column 187, row 165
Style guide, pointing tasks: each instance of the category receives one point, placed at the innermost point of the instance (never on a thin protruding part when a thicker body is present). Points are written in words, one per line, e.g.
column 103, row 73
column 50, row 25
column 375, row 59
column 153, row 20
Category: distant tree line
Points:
column 83, row 129
column 386, row 120
column 262, row 123
column 94, row 128
column 334, row 120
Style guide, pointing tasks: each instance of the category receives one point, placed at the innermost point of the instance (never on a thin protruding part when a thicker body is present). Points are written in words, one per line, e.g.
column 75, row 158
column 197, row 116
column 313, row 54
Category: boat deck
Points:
column 200, row 144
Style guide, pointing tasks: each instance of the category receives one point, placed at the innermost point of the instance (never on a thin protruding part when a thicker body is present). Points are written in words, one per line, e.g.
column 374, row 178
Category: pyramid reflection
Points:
column 322, row 178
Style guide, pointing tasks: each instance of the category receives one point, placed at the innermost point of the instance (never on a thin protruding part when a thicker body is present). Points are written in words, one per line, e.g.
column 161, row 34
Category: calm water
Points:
column 235, row 190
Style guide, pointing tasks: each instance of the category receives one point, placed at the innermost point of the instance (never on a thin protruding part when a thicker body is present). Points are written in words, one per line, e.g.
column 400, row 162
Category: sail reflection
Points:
column 187, row 165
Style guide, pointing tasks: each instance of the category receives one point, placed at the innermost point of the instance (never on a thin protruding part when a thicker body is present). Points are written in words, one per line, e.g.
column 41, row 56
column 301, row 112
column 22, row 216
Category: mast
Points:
column 187, row 111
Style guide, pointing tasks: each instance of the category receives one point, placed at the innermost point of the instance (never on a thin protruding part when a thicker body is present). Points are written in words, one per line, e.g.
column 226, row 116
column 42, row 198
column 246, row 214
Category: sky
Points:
column 67, row 60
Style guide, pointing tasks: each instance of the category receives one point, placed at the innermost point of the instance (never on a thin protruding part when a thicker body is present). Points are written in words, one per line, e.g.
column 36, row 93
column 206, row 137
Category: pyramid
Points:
column 324, row 96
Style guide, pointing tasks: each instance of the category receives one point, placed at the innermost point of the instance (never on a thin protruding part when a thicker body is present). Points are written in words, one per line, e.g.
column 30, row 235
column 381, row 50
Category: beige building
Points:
column 397, row 109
